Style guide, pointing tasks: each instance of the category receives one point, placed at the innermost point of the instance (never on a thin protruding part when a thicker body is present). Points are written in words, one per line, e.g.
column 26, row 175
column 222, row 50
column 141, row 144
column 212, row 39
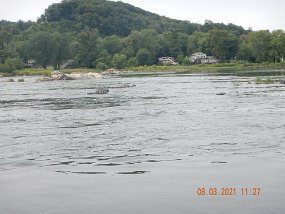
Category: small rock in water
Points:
column 11, row 80
column 123, row 86
column 110, row 72
column 221, row 94
column 21, row 80
column 46, row 79
column 102, row 90
column 56, row 75
column 64, row 77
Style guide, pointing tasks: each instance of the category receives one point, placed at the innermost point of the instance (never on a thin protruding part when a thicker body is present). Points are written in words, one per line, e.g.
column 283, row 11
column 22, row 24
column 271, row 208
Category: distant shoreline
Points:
column 195, row 69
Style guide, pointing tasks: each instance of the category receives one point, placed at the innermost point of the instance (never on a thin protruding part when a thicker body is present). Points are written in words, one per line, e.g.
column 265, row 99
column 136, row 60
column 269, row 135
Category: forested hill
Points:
column 117, row 18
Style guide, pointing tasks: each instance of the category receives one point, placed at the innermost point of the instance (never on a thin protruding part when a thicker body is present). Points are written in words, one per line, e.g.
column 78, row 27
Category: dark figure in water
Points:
column 102, row 90
column 221, row 94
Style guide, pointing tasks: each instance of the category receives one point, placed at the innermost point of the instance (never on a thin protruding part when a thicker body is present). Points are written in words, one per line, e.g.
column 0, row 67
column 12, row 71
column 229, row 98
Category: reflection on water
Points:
column 146, row 126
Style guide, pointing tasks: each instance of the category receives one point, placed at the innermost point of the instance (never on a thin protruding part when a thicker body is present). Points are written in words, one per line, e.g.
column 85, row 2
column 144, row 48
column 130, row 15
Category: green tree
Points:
column 244, row 50
column 173, row 43
column 6, row 46
column 278, row 45
column 104, row 57
column 101, row 66
column 11, row 50
column 197, row 42
column 119, row 61
column 133, row 62
column 112, row 44
column 145, row 39
column 144, row 57
column 11, row 65
column 223, row 44
column 62, row 48
column 87, row 48
column 260, row 44
column 42, row 47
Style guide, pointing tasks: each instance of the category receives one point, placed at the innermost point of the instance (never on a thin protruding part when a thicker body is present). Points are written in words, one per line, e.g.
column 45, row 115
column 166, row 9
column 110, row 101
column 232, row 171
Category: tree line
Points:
column 86, row 32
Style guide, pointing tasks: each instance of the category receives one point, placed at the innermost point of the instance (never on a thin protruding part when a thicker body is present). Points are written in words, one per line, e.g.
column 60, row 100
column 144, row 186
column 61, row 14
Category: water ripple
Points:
column 164, row 119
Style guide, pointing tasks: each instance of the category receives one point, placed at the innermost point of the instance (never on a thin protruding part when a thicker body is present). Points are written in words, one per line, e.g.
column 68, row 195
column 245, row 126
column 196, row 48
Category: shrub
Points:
column 101, row 66
column 11, row 65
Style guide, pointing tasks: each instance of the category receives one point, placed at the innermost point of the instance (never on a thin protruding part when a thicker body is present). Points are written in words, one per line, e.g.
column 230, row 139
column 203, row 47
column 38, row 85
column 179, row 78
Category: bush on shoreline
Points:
column 11, row 65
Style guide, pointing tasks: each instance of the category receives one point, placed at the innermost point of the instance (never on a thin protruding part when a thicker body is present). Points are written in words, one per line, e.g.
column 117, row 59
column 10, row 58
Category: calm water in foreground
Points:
column 143, row 149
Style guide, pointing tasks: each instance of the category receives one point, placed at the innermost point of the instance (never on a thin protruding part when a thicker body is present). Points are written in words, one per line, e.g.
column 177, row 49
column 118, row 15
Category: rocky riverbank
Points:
column 57, row 75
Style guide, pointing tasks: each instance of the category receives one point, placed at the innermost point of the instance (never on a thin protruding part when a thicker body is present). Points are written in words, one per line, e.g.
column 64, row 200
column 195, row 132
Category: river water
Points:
column 142, row 149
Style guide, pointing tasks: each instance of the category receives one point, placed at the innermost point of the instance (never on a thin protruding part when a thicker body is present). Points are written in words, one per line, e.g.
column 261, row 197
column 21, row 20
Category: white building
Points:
column 201, row 58
column 31, row 64
column 198, row 55
column 167, row 61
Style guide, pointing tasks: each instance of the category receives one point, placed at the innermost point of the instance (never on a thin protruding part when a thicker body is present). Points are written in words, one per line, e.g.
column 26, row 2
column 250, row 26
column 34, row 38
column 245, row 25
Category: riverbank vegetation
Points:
column 220, row 67
column 268, row 80
column 233, row 67
column 99, row 34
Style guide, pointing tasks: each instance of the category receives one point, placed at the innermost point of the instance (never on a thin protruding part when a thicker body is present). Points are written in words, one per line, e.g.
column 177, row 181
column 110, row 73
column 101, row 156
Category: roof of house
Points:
column 198, row 53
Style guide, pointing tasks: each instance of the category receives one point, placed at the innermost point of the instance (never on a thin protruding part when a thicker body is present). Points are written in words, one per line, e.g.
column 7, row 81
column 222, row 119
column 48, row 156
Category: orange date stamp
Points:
column 228, row 191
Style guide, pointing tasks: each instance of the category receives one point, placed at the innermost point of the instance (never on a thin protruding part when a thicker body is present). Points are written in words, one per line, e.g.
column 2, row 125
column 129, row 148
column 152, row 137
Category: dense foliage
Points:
column 102, row 34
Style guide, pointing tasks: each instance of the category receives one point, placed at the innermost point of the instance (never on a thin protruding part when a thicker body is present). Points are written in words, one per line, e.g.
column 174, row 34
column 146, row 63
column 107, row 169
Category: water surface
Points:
column 145, row 148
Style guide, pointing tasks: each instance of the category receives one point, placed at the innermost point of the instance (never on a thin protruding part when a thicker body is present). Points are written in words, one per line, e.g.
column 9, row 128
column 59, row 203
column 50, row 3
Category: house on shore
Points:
column 198, row 56
column 31, row 64
column 68, row 64
column 167, row 61
column 201, row 58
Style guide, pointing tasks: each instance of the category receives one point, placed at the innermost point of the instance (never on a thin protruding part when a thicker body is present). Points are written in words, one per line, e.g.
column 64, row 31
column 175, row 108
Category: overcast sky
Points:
column 257, row 14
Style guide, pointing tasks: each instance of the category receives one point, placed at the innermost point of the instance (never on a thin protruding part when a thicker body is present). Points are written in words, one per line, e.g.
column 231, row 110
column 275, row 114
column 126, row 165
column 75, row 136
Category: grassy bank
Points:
column 33, row 72
column 45, row 72
column 29, row 72
column 208, row 68
column 205, row 68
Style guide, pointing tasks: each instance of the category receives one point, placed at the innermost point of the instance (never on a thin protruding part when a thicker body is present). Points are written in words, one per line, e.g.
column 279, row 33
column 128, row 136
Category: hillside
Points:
column 117, row 18
column 105, row 34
